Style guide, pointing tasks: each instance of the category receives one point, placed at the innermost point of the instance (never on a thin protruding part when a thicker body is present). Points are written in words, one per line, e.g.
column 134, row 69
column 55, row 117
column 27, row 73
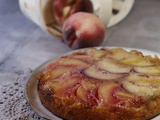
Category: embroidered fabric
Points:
column 13, row 105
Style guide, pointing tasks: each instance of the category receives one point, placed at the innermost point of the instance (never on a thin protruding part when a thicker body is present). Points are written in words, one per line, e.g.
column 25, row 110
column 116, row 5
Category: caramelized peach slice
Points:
column 117, row 53
column 99, row 74
column 69, row 61
column 61, row 70
column 111, row 93
column 81, row 57
column 124, row 98
column 113, row 66
column 137, row 61
column 96, row 53
column 106, row 91
column 89, row 84
column 151, row 70
column 123, row 95
column 85, row 95
column 64, row 86
column 81, row 93
column 141, row 86
column 154, row 80
column 57, row 71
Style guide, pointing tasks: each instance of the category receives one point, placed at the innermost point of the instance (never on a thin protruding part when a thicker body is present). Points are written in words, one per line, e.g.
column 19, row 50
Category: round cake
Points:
column 102, row 84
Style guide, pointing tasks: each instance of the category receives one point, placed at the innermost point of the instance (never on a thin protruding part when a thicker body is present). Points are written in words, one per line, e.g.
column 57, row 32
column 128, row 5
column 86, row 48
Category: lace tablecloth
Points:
column 13, row 105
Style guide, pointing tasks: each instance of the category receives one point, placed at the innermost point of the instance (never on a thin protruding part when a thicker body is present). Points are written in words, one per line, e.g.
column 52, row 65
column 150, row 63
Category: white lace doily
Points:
column 13, row 105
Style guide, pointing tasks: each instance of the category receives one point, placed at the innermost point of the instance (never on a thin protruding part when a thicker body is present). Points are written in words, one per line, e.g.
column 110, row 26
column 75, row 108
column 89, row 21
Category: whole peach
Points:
column 62, row 9
column 82, row 30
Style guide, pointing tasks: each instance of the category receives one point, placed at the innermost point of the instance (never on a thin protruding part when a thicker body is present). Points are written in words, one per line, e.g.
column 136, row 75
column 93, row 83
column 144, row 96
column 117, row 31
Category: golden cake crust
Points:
column 63, row 84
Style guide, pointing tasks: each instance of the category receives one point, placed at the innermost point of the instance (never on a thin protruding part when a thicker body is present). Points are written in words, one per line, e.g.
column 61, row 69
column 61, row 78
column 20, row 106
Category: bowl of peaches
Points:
column 79, row 23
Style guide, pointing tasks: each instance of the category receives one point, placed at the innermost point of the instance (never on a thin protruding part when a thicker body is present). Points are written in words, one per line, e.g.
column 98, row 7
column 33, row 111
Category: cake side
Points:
column 77, row 111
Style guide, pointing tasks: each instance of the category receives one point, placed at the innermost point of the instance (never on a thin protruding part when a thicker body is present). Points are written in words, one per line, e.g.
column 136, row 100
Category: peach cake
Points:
column 102, row 84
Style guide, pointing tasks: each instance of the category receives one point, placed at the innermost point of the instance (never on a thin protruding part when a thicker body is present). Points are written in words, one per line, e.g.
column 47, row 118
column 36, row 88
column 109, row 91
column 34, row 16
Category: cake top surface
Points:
column 104, row 77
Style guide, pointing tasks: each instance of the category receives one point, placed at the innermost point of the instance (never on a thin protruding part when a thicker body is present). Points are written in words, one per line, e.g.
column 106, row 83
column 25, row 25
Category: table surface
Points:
column 24, row 45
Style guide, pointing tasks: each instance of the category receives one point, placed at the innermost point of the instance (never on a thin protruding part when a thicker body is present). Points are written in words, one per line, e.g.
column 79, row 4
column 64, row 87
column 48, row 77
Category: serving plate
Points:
column 31, row 92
